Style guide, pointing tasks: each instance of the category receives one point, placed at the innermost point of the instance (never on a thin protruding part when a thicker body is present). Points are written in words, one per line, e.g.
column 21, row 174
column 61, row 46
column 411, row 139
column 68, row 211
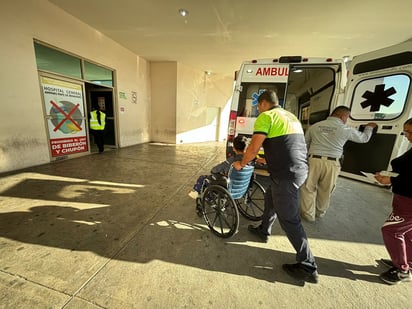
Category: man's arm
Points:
column 251, row 151
column 362, row 137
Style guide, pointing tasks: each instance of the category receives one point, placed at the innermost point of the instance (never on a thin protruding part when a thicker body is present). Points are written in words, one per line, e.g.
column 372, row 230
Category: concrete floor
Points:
column 117, row 230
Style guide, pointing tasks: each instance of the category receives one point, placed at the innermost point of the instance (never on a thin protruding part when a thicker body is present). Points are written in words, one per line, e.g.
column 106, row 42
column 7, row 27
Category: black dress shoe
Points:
column 258, row 232
column 298, row 272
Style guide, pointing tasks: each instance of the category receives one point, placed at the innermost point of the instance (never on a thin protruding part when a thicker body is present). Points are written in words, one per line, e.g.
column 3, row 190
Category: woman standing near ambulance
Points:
column 397, row 230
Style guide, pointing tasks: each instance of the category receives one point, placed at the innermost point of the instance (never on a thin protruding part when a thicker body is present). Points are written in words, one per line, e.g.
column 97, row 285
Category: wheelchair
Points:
column 220, row 202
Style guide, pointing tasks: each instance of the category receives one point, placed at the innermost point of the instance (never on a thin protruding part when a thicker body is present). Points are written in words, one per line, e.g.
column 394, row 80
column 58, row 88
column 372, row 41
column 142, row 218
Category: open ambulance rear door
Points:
column 308, row 87
column 378, row 90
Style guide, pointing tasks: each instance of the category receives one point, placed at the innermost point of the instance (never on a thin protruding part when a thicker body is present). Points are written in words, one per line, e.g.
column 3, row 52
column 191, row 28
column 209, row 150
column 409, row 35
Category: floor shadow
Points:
column 195, row 246
column 80, row 206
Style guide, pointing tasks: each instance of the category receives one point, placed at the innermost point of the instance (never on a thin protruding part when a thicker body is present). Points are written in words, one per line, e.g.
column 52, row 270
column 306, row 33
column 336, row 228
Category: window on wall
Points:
column 98, row 74
column 55, row 61
column 381, row 98
column 52, row 60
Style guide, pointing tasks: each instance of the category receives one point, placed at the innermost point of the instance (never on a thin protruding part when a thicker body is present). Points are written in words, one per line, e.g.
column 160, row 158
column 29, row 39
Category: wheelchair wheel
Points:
column 251, row 205
column 220, row 212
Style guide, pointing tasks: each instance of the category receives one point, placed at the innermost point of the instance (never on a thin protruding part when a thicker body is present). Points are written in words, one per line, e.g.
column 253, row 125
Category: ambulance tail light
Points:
column 232, row 124
column 231, row 131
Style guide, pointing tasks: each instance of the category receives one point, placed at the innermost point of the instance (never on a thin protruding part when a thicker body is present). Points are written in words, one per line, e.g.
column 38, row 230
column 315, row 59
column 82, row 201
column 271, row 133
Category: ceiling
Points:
column 217, row 35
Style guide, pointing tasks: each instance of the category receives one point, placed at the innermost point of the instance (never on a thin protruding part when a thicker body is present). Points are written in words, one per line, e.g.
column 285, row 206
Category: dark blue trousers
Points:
column 282, row 202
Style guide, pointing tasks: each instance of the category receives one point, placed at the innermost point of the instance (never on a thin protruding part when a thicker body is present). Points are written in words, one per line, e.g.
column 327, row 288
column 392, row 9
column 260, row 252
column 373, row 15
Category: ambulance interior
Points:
column 308, row 93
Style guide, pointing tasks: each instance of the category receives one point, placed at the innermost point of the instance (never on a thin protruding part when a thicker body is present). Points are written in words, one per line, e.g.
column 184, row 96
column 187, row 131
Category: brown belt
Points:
column 320, row 157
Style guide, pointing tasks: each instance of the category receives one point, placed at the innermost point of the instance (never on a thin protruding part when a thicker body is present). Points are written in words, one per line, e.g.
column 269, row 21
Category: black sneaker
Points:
column 298, row 272
column 395, row 276
column 258, row 232
column 387, row 262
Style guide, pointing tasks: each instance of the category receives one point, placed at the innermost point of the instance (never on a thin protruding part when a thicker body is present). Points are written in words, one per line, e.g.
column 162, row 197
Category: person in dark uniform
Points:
column 281, row 135
column 97, row 126
column 397, row 230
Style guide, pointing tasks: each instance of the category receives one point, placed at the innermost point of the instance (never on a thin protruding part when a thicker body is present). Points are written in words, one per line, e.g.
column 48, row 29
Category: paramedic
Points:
column 325, row 140
column 281, row 135
column 397, row 230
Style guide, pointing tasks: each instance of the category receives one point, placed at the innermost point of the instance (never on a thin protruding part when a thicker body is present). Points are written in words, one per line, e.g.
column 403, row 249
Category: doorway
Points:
column 103, row 97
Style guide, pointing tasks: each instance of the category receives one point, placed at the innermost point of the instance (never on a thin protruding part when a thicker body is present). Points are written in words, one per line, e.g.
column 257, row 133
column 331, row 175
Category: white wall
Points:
column 134, row 122
column 163, row 104
column 199, row 94
column 23, row 137
column 191, row 106
column 182, row 100
column 220, row 94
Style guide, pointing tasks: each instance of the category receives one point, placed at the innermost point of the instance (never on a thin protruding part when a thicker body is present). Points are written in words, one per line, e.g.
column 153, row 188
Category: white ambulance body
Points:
column 378, row 90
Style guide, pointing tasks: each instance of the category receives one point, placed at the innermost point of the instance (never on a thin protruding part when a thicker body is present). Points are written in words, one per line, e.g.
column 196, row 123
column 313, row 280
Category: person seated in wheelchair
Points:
column 219, row 172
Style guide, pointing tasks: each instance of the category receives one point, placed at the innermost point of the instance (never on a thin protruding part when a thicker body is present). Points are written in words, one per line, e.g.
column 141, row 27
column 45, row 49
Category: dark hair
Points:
column 240, row 142
column 269, row 96
column 341, row 110
column 408, row 122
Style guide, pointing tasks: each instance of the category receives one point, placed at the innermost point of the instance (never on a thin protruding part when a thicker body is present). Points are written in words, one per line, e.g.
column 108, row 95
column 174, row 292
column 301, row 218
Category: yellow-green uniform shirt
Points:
column 285, row 147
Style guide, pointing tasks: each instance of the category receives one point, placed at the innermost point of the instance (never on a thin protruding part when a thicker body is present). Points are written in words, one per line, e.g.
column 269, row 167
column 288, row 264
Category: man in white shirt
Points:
column 325, row 140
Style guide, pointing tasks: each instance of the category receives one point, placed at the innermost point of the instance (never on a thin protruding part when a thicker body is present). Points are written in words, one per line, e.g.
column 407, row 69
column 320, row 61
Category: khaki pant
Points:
column 316, row 191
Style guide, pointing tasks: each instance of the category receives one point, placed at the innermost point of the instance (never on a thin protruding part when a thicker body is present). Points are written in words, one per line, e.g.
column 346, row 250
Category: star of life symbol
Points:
column 377, row 98
column 255, row 96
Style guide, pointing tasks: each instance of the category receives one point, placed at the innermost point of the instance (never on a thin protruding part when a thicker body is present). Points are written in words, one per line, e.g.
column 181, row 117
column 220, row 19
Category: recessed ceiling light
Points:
column 183, row 12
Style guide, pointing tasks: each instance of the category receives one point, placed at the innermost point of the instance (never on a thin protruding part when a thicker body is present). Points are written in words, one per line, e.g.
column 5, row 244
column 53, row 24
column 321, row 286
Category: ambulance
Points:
column 376, row 86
